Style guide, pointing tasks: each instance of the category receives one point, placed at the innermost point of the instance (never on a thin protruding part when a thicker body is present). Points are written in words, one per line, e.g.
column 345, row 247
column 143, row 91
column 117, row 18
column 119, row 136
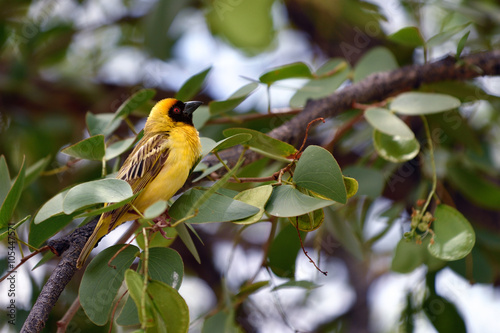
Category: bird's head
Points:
column 169, row 111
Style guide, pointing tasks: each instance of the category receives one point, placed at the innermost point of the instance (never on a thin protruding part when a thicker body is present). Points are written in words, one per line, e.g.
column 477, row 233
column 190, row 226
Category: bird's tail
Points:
column 100, row 230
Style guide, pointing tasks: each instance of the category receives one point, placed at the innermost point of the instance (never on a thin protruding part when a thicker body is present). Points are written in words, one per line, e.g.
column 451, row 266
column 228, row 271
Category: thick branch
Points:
column 70, row 246
column 375, row 88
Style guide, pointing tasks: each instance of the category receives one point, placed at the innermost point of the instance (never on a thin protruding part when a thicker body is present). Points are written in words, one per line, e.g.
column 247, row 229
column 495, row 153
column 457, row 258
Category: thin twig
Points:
column 304, row 250
column 23, row 260
column 63, row 323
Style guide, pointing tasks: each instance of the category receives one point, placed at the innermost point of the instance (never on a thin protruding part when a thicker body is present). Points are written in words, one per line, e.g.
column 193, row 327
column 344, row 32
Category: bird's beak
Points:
column 190, row 107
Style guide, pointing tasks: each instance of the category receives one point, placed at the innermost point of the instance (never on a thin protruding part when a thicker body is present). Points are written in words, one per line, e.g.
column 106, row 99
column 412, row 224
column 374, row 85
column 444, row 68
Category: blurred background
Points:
column 62, row 58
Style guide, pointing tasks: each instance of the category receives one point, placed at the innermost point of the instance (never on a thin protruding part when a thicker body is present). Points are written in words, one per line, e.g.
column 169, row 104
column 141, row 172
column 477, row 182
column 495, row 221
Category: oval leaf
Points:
column 395, row 149
column 10, row 202
column 216, row 208
column 118, row 148
column 318, row 171
column 289, row 71
column 310, row 221
column 89, row 149
column 170, row 307
column 420, row 103
column 378, row 59
column 218, row 107
column 134, row 102
column 257, row 197
column 192, row 86
column 100, row 282
column 231, row 141
column 387, row 123
column 98, row 191
column 454, row 237
column 265, row 144
column 408, row 36
column 286, row 201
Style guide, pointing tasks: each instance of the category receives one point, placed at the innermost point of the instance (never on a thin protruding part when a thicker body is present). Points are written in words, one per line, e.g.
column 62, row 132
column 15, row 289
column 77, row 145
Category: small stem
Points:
column 225, row 166
column 433, row 165
column 304, row 250
column 66, row 319
column 130, row 125
column 268, row 99
column 145, row 283
column 266, row 246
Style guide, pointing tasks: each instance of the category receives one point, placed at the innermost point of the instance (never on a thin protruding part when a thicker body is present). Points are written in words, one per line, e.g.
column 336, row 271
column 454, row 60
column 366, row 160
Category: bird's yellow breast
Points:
column 184, row 149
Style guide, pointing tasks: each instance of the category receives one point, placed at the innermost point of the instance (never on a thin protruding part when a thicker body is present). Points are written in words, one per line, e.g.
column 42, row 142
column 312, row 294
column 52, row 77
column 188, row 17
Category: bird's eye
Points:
column 177, row 110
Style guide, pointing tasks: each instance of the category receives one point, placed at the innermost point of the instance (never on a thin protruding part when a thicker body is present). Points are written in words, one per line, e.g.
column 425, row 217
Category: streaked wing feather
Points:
column 142, row 165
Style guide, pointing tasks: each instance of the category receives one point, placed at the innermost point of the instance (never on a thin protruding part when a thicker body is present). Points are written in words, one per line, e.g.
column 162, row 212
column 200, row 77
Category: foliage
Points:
column 424, row 150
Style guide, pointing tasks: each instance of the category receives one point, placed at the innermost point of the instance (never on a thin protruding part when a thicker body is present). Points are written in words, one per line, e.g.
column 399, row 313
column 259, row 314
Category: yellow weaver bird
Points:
column 159, row 164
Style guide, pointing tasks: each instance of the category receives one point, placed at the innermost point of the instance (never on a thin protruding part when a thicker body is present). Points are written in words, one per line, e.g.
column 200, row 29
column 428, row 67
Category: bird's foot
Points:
column 161, row 222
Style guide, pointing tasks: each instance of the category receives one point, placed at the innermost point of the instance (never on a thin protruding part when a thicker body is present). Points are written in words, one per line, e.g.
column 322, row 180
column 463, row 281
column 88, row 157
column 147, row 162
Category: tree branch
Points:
column 70, row 247
column 374, row 88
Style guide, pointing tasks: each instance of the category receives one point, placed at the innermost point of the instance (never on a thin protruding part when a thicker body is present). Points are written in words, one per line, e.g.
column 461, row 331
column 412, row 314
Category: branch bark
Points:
column 70, row 247
column 375, row 88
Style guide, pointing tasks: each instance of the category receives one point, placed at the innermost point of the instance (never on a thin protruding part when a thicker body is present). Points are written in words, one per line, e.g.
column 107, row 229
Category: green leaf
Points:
column 221, row 322
column 188, row 241
column 310, row 221
column 419, row 103
column 218, row 107
column 155, row 209
column 289, row 71
column 216, row 208
column 445, row 36
column 283, row 252
column 454, row 237
column 89, row 149
column 264, row 144
column 247, row 290
column 386, row 122
column 231, row 141
column 156, row 239
column 170, row 306
column 164, row 265
column 395, row 149
column 97, row 191
column 309, row 285
column 351, row 186
column 318, row 171
column 371, row 181
column 107, row 208
column 407, row 36
column 157, row 40
column 407, row 256
column 100, row 282
column 325, row 84
column 461, row 44
column 4, row 179
column 475, row 188
column 207, row 145
column 10, row 202
column 134, row 102
column 192, row 86
column 103, row 123
column 33, row 171
column 256, row 197
column 378, row 59
column 47, row 228
column 117, row 148
column 443, row 315
column 245, row 24
column 286, row 201
column 206, row 171
column 201, row 116
column 135, row 289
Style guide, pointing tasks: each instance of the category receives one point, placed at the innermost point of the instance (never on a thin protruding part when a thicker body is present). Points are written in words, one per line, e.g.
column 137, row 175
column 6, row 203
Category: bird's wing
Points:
column 141, row 167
